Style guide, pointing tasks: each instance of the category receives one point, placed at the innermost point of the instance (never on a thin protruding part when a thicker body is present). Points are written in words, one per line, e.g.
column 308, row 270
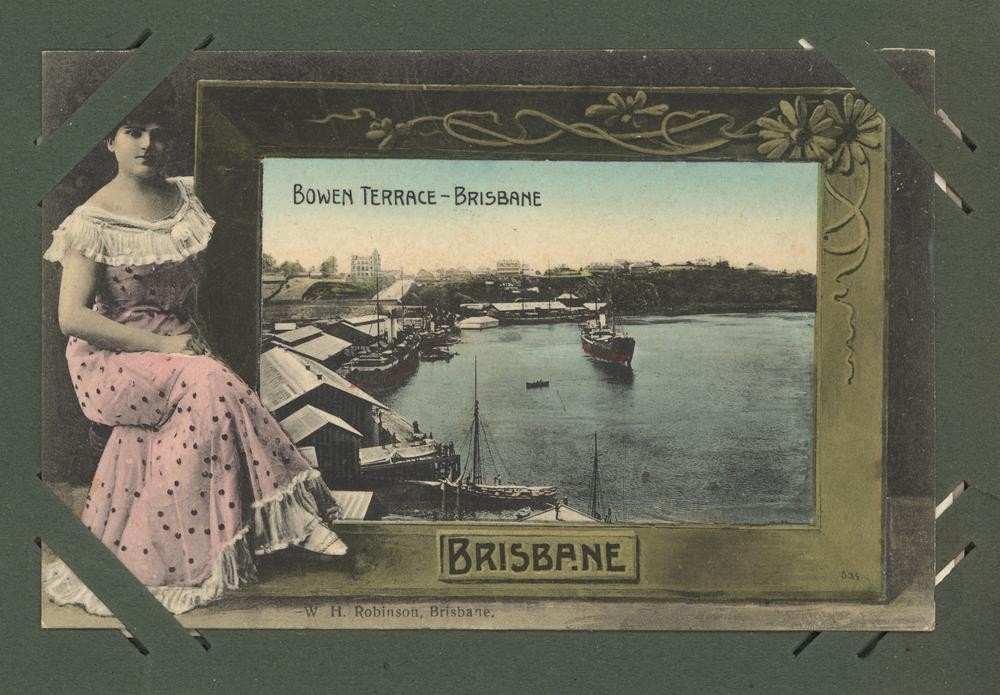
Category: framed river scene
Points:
column 564, row 340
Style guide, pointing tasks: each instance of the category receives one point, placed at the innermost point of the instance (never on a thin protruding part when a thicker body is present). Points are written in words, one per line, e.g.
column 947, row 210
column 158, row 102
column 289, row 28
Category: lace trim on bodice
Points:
column 117, row 240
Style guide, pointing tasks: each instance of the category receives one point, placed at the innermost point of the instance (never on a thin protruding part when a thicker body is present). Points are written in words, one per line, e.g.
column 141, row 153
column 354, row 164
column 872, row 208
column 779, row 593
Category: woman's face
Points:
column 139, row 149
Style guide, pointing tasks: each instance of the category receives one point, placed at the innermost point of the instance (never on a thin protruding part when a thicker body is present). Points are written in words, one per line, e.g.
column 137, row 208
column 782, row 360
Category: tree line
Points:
column 710, row 290
column 328, row 268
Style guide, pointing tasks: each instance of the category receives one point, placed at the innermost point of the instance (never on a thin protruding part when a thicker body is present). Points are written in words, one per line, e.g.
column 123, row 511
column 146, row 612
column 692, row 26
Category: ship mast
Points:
column 378, row 304
column 477, row 473
column 594, row 487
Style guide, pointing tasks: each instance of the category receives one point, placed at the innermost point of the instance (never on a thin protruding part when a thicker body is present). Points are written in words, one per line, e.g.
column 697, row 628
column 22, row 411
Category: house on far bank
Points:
column 569, row 299
column 366, row 266
column 459, row 274
column 509, row 267
column 605, row 268
column 670, row 267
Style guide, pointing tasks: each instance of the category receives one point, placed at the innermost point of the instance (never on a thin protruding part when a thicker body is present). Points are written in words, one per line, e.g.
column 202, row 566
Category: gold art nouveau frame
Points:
column 867, row 560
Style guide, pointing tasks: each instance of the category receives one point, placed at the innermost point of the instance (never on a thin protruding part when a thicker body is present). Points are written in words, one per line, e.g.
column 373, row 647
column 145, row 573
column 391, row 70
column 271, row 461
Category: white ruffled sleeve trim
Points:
column 117, row 240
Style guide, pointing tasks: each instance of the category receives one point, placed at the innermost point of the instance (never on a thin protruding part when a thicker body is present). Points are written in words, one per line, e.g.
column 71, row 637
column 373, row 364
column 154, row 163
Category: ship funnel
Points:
column 602, row 319
column 392, row 328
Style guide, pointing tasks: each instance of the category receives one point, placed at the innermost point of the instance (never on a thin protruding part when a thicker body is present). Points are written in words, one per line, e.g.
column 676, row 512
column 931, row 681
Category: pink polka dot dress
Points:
column 197, row 475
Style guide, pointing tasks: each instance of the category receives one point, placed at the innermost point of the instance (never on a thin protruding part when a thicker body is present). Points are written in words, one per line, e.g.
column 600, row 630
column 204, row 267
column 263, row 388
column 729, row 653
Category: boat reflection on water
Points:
column 613, row 373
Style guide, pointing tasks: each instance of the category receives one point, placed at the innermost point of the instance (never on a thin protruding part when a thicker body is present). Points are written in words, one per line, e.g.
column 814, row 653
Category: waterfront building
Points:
column 296, row 335
column 366, row 266
column 355, row 505
column 346, row 331
column 354, row 435
column 314, row 343
column 373, row 325
column 474, row 308
column 534, row 312
column 288, row 381
column 336, row 443
column 502, row 308
column 424, row 460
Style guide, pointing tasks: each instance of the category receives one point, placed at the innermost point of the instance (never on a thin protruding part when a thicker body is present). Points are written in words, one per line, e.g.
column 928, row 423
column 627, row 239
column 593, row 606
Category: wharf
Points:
column 423, row 460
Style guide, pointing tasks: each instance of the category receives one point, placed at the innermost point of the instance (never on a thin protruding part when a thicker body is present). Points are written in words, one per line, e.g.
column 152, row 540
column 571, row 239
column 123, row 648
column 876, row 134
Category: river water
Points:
column 714, row 423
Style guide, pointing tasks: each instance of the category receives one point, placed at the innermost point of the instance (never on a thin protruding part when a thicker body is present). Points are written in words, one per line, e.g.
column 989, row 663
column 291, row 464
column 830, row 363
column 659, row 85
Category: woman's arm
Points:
column 76, row 318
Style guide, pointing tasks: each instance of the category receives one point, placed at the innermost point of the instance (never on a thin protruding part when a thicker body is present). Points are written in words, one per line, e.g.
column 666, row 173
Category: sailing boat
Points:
column 561, row 511
column 595, row 491
column 471, row 486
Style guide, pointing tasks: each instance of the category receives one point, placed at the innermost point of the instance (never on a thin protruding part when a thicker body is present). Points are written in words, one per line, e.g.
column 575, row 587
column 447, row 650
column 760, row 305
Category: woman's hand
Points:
column 183, row 344
column 80, row 279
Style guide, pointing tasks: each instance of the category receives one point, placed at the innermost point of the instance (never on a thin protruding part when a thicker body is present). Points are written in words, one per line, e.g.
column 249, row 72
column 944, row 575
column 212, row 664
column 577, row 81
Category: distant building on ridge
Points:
column 366, row 266
column 509, row 267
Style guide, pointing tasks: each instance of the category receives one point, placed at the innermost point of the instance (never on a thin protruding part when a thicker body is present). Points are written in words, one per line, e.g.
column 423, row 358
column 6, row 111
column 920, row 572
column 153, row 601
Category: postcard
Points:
column 532, row 351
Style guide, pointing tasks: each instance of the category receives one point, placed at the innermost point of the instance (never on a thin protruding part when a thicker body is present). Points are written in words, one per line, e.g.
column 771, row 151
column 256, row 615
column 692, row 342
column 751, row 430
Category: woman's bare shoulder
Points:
column 120, row 200
column 109, row 198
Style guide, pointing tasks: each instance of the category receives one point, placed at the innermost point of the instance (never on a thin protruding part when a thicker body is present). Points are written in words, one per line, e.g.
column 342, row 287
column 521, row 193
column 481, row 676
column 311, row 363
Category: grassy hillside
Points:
column 312, row 289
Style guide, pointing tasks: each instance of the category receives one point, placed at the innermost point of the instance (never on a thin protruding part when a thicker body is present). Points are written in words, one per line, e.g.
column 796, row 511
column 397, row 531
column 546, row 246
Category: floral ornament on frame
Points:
column 530, row 127
column 802, row 131
column 858, row 127
column 623, row 110
column 838, row 139
column 797, row 133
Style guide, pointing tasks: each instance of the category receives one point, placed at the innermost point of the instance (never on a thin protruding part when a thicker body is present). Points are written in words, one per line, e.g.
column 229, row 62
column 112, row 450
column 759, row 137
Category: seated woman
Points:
column 197, row 475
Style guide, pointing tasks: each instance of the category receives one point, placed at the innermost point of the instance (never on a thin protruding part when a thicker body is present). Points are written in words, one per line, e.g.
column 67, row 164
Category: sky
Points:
column 764, row 213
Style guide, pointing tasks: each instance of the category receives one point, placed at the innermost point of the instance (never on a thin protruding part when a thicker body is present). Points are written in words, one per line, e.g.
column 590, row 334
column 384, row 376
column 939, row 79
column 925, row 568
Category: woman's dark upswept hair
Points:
column 158, row 107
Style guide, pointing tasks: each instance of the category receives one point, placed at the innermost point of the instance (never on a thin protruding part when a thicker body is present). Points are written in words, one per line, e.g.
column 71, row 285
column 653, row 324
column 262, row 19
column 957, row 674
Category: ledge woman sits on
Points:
column 196, row 476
